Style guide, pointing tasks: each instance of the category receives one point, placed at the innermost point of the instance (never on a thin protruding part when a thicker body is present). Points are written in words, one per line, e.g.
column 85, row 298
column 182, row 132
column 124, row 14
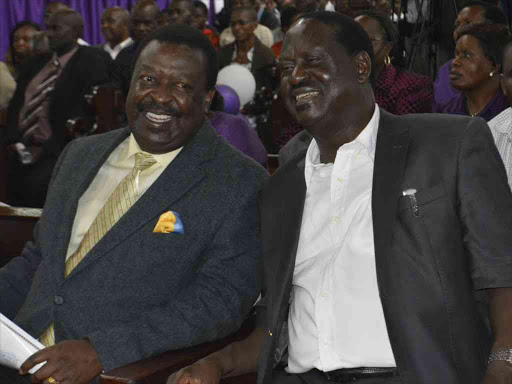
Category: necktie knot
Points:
column 143, row 161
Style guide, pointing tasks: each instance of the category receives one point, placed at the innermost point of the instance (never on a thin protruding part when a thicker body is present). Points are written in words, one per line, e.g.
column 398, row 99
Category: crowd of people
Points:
column 379, row 252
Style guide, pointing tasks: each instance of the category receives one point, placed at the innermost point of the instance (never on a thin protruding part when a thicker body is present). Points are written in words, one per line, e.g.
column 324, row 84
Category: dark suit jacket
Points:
column 262, row 61
column 269, row 20
column 138, row 293
column 87, row 67
column 428, row 266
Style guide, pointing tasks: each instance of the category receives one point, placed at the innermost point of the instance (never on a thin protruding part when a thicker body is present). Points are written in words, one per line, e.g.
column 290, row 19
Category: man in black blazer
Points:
column 417, row 208
column 80, row 69
column 149, row 236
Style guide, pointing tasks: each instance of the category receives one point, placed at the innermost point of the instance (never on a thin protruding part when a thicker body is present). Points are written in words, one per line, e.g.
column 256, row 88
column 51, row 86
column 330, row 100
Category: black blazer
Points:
column 262, row 61
column 428, row 266
column 87, row 67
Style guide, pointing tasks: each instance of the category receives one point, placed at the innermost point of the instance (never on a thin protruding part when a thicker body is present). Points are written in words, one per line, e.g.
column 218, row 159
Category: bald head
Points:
column 52, row 8
column 115, row 25
column 64, row 28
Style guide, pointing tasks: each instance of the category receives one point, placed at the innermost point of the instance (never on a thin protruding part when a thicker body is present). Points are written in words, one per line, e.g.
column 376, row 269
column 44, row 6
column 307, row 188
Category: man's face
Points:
column 199, row 19
column 470, row 67
column 182, row 12
column 23, row 42
column 381, row 47
column 506, row 77
column 468, row 15
column 144, row 21
column 168, row 97
column 51, row 9
column 243, row 3
column 318, row 78
column 242, row 25
column 61, row 31
column 113, row 26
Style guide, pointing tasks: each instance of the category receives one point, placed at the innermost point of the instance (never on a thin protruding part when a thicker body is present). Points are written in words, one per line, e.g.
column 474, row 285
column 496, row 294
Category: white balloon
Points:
column 240, row 79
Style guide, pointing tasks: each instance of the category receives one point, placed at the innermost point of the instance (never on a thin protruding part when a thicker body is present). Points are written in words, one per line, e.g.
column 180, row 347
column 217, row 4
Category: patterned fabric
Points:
column 123, row 197
column 400, row 92
column 501, row 128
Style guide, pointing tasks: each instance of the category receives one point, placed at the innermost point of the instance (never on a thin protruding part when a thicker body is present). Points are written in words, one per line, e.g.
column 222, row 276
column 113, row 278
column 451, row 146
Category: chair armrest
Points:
column 156, row 370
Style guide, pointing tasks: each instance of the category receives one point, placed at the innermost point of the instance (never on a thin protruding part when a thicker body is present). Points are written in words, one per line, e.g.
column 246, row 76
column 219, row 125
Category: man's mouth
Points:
column 158, row 118
column 455, row 76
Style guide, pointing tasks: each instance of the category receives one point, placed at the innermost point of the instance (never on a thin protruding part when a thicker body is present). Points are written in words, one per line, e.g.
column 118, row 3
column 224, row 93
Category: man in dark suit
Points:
column 149, row 236
column 377, row 239
column 50, row 91
column 247, row 50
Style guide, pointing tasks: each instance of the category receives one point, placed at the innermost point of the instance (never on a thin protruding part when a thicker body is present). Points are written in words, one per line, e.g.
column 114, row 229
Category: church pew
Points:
column 16, row 227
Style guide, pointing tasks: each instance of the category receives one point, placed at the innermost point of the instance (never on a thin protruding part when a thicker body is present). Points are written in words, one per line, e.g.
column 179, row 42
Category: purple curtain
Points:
column 14, row 11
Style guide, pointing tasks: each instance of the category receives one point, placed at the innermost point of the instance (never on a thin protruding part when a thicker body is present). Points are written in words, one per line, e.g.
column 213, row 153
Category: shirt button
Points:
column 59, row 300
column 335, row 219
column 323, row 294
column 339, row 179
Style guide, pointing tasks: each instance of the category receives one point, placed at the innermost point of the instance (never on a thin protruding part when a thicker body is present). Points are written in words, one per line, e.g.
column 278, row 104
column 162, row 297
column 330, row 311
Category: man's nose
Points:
column 298, row 75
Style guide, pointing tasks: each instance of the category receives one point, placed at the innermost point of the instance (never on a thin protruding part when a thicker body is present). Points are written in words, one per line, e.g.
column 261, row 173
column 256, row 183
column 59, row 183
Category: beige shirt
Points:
column 336, row 318
column 263, row 33
column 117, row 166
column 7, row 86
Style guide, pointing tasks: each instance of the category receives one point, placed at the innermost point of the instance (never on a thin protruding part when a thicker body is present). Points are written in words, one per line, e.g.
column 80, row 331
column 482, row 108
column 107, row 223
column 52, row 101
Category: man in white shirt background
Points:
column 115, row 26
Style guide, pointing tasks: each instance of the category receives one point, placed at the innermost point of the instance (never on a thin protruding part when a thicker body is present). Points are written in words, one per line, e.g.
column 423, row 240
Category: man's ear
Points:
column 208, row 99
column 363, row 67
column 254, row 25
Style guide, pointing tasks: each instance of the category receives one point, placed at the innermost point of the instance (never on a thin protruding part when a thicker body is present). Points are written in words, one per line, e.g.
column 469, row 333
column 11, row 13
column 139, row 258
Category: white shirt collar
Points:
column 118, row 48
column 502, row 123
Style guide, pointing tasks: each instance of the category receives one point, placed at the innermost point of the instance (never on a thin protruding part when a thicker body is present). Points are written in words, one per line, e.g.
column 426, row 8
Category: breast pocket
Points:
column 420, row 199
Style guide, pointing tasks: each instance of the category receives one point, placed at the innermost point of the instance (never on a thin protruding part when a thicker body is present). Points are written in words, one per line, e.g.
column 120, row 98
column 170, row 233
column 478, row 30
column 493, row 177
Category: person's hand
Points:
column 202, row 372
column 498, row 372
column 68, row 362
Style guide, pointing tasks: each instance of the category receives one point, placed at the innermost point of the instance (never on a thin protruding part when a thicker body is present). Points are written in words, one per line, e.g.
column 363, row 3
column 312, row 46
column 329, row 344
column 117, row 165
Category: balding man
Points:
column 115, row 26
column 50, row 92
column 58, row 6
column 144, row 20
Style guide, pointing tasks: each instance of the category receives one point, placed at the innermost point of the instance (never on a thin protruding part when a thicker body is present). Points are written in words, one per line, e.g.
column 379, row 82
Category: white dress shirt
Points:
column 501, row 128
column 117, row 166
column 263, row 33
column 113, row 52
column 336, row 318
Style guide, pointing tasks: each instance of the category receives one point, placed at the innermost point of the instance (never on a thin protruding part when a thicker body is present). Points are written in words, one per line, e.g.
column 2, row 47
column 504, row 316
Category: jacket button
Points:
column 269, row 332
column 59, row 300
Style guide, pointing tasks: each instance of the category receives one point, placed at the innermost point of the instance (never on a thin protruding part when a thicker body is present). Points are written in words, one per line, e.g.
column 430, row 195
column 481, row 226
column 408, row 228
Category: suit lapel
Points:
column 390, row 156
column 78, row 179
column 180, row 176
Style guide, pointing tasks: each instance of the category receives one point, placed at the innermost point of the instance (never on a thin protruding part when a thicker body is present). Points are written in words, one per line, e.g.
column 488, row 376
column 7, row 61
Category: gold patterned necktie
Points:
column 119, row 202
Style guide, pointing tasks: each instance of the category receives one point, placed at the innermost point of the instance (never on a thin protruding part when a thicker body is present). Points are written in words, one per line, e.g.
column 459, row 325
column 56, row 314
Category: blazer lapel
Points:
column 181, row 175
column 390, row 156
column 79, row 177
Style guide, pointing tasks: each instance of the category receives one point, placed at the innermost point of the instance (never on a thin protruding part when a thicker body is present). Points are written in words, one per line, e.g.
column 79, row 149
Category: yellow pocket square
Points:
column 169, row 222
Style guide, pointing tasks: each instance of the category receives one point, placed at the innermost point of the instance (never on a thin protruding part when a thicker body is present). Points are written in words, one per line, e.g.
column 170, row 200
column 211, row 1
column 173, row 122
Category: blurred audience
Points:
column 473, row 12
column 115, row 26
column 475, row 71
column 396, row 90
column 501, row 125
column 22, row 45
column 164, row 18
column 57, row 6
column 247, row 50
column 182, row 12
column 263, row 33
column 200, row 21
column 288, row 16
column 7, row 86
column 50, row 91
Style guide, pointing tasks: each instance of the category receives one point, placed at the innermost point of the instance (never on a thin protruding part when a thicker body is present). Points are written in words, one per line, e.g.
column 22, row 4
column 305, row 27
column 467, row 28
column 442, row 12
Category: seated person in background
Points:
column 234, row 127
column 267, row 13
column 115, row 26
column 475, row 72
column 164, row 18
column 22, row 46
column 501, row 125
column 263, row 33
column 473, row 12
column 50, row 91
column 7, row 87
column 396, row 90
column 200, row 21
column 143, row 21
column 247, row 50
column 288, row 16
column 149, row 237
column 182, row 12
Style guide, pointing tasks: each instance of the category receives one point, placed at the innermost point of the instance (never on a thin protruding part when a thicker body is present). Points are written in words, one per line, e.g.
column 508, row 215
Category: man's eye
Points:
column 148, row 78
column 183, row 85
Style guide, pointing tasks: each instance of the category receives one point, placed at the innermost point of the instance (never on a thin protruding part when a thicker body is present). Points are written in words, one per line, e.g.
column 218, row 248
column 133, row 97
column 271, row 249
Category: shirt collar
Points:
column 162, row 159
column 503, row 122
column 367, row 138
column 119, row 46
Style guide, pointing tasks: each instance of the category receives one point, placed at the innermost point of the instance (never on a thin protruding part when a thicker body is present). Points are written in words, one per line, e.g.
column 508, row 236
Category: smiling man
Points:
column 382, row 241
column 149, row 237
column 115, row 26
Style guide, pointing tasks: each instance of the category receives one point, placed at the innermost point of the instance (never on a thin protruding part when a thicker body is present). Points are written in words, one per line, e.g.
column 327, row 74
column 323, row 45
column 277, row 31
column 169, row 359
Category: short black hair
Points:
column 347, row 33
column 250, row 10
column 507, row 46
column 180, row 34
column 21, row 24
column 492, row 39
column 287, row 15
column 199, row 4
column 492, row 13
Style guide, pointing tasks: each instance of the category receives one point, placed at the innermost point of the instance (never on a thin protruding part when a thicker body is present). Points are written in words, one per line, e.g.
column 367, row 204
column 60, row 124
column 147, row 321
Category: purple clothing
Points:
column 458, row 106
column 236, row 131
column 443, row 90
